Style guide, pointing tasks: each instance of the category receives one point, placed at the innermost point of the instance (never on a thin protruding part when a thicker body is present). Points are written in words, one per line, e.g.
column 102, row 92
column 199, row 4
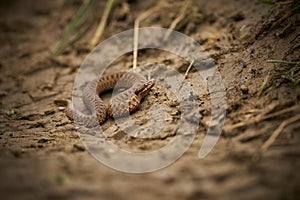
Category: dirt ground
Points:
column 42, row 156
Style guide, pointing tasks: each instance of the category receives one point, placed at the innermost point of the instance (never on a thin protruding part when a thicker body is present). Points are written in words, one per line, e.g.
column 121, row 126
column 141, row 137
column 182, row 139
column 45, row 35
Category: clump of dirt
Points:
column 43, row 157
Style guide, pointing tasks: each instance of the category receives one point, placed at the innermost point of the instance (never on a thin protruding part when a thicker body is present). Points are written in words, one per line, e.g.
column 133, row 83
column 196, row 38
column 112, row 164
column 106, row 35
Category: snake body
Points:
column 136, row 85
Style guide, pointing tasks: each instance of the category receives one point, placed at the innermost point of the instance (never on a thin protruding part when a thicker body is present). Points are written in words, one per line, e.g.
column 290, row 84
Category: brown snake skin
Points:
column 137, row 88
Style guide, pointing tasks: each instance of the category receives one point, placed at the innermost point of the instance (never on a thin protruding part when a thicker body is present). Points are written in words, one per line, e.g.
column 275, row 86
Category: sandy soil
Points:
column 42, row 156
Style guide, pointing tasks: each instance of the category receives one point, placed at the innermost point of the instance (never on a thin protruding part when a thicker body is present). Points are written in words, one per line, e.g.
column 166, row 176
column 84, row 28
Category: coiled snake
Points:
column 137, row 88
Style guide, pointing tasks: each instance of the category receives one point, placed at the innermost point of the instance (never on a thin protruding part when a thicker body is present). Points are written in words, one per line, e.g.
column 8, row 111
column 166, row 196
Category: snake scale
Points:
column 136, row 85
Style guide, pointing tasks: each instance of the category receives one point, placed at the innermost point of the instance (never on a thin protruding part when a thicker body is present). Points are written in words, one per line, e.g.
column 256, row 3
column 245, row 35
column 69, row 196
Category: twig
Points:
column 135, row 42
column 188, row 69
column 177, row 19
column 281, row 19
column 276, row 133
column 261, row 118
column 102, row 23
column 284, row 3
column 136, row 32
column 263, row 86
column 282, row 62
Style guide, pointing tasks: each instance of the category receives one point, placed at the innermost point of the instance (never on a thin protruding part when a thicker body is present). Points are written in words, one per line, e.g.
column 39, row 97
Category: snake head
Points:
column 130, row 99
column 144, row 89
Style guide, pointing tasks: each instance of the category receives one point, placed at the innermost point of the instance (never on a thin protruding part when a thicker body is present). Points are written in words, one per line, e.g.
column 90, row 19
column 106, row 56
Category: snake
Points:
column 136, row 85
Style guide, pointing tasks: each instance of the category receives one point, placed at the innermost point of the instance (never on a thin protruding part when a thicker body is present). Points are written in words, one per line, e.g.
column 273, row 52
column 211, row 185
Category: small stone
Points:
column 238, row 16
column 61, row 108
column 10, row 112
column 173, row 103
column 49, row 112
column 61, row 102
column 52, row 131
column 244, row 89
column 174, row 113
column 47, row 87
column 44, row 140
column 78, row 147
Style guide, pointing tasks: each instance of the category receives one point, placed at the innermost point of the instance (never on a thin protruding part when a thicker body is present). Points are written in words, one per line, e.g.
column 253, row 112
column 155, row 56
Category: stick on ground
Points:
column 188, row 69
column 136, row 32
column 261, row 118
column 178, row 18
column 102, row 24
column 276, row 133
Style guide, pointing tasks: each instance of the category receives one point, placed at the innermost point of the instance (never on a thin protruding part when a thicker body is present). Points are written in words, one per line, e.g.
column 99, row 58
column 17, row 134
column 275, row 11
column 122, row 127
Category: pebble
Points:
column 61, row 102
column 49, row 112
column 244, row 89
column 79, row 147
column 61, row 108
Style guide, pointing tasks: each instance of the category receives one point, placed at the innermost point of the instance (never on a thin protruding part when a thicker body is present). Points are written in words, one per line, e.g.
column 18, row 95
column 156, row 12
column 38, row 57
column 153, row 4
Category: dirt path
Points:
column 41, row 154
